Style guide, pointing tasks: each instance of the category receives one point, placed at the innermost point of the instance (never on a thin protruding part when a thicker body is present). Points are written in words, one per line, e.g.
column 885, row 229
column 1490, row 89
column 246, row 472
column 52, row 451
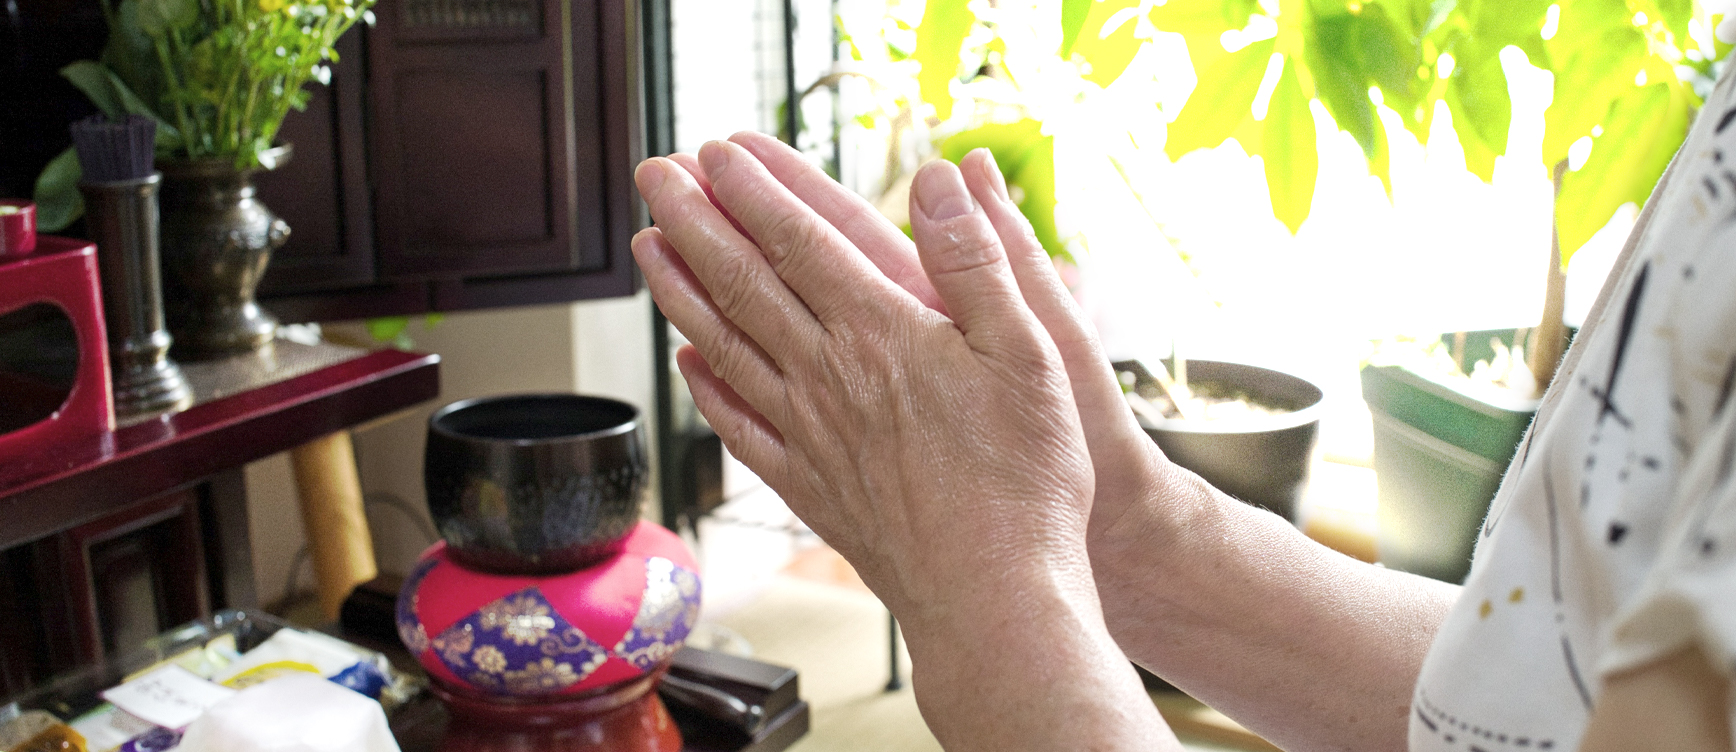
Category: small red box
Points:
column 17, row 228
column 63, row 275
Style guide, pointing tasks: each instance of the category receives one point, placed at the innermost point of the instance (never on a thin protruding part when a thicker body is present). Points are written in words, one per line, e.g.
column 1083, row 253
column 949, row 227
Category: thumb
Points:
column 962, row 254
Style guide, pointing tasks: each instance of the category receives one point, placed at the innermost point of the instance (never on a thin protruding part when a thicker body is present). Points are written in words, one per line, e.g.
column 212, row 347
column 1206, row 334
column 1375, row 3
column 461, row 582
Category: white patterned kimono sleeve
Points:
column 1689, row 597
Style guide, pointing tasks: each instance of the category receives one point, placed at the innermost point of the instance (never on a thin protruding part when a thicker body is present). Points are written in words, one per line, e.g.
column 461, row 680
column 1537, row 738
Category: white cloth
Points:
column 296, row 713
column 1612, row 542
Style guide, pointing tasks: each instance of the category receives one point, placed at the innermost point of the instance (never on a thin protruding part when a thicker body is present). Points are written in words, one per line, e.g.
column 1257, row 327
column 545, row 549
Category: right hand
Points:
column 1130, row 469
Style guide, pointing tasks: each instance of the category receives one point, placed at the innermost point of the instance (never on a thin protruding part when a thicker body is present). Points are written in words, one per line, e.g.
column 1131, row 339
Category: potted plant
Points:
column 1624, row 84
column 1625, row 80
column 219, row 77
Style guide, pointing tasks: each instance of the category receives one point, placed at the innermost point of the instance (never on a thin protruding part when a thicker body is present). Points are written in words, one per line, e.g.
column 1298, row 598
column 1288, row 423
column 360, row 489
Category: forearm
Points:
column 1305, row 646
column 1043, row 675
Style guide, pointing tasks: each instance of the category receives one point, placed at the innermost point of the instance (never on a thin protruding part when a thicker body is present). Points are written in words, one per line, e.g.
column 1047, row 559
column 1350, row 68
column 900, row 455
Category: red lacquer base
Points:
column 623, row 717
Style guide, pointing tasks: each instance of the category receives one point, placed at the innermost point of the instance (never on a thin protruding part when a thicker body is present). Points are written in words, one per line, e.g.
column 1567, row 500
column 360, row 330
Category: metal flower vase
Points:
column 217, row 239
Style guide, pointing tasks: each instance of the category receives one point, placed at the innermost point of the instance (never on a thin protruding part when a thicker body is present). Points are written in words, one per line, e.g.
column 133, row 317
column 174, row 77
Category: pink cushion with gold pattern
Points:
column 530, row 636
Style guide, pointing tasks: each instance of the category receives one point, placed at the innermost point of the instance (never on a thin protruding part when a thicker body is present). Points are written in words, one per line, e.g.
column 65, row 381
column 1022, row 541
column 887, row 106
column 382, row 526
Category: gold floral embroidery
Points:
column 662, row 604
column 489, row 659
column 522, row 618
column 416, row 639
column 567, row 642
column 453, row 644
column 667, row 611
column 542, row 677
column 485, row 681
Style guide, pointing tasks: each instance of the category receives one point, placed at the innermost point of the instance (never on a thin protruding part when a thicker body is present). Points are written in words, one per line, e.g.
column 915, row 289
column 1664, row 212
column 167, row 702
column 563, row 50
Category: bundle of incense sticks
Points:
column 114, row 150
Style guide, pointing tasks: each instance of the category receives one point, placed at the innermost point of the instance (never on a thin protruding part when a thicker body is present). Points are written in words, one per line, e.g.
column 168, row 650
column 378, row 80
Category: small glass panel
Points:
column 472, row 14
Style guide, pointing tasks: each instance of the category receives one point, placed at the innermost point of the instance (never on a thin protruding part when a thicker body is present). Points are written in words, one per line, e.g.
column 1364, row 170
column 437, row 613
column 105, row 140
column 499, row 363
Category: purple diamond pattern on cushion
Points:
column 410, row 629
column 519, row 645
column 666, row 614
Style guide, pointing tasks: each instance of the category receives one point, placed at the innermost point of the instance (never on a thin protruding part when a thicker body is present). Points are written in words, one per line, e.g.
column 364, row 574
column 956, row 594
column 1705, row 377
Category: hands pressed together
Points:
column 921, row 411
column 942, row 415
column 892, row 398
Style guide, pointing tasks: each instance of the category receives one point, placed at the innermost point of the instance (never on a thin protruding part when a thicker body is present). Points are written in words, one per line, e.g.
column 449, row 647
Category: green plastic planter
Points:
column 1439, row 454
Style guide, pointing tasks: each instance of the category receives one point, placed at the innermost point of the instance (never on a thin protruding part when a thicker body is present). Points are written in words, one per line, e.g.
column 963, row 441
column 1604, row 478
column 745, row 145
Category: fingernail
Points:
column 649, row 176
column 940, row 192
column 645, row 248
column 996, row 179
column 714, row 158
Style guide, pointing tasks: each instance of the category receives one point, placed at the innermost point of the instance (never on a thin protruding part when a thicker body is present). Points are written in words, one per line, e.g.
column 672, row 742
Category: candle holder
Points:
column 17, row 228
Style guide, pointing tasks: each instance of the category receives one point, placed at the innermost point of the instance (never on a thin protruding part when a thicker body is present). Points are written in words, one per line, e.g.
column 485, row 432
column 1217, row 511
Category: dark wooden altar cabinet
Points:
column 107, row 540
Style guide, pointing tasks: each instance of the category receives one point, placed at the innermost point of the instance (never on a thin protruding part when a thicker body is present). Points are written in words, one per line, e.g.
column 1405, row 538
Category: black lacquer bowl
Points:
column 534, row 484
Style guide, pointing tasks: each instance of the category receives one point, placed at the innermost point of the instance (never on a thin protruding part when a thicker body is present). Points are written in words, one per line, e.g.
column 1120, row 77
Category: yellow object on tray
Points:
column 36, row 731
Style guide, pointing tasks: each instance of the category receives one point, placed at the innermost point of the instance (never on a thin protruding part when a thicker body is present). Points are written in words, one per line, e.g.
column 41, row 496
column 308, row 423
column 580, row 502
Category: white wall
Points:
column 597, row 347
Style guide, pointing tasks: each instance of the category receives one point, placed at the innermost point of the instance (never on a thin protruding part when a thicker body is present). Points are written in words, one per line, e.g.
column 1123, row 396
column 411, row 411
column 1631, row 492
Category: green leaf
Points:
column 168, row 136
column 1288, row 149
column 1380, row 162
column 1675, row 14
column 1332, row 9
column 1027, row 160
column 1594, row 56
column 1482, row 111
column 1221, row 101
column 1073, row 13
column 177, row 13
column 1387, row 50
column 58, row 201
column 1644, row 128
column 939, row 38
column 156, row 17
column 1202, row 23
column 1339, row 81
column 130, row 53
column 1108, row 49
column 388, row 328
column 93, row 80
column 1495, row 24
column 110, row 94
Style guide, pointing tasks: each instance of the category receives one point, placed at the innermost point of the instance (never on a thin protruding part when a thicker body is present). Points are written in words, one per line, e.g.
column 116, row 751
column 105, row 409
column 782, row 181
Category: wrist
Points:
column 1155, row 524
column 974, row 593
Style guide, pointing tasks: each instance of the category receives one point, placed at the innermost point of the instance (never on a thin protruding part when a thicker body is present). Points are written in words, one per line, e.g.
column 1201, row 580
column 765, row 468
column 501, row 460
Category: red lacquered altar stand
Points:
column 109, row 534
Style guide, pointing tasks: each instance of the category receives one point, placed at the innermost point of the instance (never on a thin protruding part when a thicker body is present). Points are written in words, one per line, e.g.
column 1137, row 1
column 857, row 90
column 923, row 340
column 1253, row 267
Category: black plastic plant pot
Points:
column 1439, row 454
column 534, row 484
column 1261, row 459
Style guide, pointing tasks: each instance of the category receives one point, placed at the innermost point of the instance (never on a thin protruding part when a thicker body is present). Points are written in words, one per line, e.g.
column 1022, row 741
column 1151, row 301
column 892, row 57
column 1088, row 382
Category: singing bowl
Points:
column 536, row 483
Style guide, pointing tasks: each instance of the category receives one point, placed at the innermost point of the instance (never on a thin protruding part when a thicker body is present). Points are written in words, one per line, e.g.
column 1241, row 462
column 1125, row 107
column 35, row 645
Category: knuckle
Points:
column 967, row 252
column 730, row 361
column 732, row 283
column 788, row 235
